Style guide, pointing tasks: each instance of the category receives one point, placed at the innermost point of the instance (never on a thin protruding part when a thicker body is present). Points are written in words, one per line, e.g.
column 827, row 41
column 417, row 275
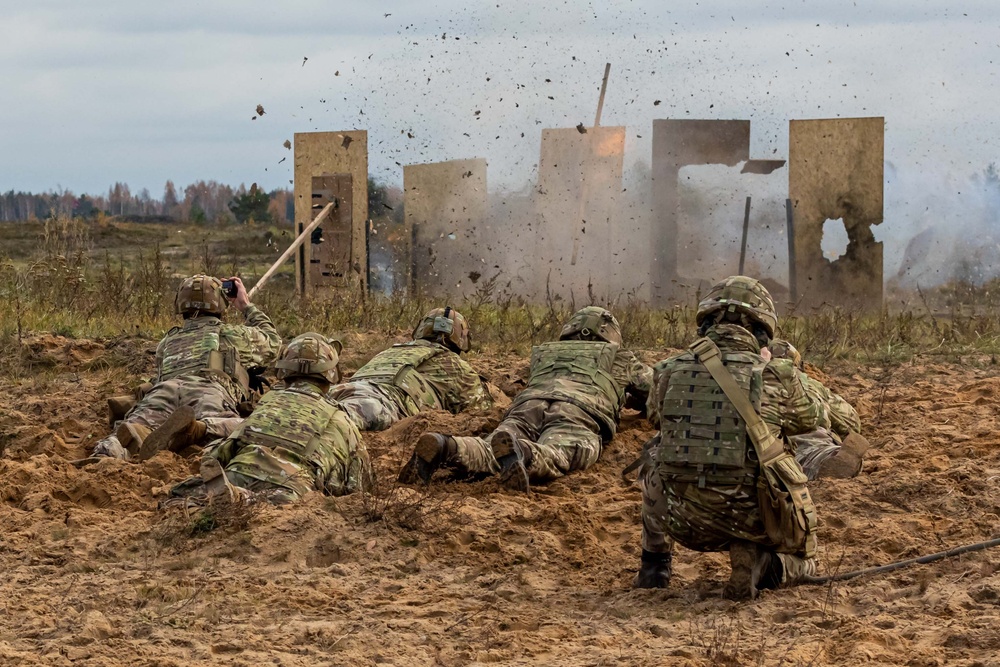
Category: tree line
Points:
column 200, row 202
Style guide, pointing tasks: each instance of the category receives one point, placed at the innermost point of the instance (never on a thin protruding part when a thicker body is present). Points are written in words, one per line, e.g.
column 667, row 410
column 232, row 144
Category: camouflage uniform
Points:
column 185, row 376
column 297, row 440
column 407, row 379
column 838, row 420
column 706, row 515
column 567, row 412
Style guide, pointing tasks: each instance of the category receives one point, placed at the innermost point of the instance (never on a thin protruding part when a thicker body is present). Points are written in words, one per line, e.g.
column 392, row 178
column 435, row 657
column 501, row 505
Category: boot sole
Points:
column 421, row 467
column 513, row 474
column 159, row 439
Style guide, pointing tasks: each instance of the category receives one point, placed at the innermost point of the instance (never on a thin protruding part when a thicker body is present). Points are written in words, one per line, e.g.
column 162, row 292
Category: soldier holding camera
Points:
column 202, row 366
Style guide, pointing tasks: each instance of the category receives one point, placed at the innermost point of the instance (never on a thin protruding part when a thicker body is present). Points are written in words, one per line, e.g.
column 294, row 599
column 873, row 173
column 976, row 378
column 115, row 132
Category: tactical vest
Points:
column 578, row 372
column 202, row 350
column 289, row 418
column 703, row 438
column 398, row 365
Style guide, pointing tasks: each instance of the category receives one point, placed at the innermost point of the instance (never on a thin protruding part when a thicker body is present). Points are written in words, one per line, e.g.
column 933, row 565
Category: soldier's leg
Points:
column 570, row 440
column 371, row 407
column 147, row 414
column 513, row 441
column 657, row 546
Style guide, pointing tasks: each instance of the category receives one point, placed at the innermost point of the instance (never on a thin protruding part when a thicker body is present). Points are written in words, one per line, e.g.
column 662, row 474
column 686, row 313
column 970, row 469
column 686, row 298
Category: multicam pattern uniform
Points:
column 709, row 518
column 839, row 419
column 391, row 387
column 297, row 440
column 183, row 378
column 565, row 422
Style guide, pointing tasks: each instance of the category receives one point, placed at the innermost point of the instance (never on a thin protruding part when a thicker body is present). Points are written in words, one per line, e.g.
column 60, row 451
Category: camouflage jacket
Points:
column 456, row 385
column 299, row 439
column 255, row 345
column 786, row 406
column 839, row 416
column 633, row 381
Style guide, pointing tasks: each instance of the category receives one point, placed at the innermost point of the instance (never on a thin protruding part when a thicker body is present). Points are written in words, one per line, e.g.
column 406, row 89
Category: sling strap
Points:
column 768, row 447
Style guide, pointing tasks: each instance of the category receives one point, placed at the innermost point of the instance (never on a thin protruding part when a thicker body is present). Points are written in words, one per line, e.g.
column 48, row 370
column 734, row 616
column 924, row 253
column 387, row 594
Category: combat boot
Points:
column 654, row 570
column 118, row 407
column 131, row 436
column 754, row 568
column 180, row 430
column 432, row 451
column 514, row 459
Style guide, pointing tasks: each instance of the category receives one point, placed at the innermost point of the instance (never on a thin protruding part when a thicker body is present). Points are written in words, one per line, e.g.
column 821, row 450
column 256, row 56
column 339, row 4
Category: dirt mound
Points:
column 467, row 573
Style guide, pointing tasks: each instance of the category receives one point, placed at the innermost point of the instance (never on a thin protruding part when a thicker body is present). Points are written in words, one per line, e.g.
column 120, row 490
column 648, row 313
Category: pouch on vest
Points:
column 417, row 387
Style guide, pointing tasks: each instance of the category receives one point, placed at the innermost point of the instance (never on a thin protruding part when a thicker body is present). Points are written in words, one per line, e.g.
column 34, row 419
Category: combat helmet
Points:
column 742, row 295
column 447, row 326
column 310, row 354
column 593, row 321
column 200, row 294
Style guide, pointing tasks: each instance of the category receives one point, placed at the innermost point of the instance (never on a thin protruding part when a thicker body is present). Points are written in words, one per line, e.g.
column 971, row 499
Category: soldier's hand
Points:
column 241, row 301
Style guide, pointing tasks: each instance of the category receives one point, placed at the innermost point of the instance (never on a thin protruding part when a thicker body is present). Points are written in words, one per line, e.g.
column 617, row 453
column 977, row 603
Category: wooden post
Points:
column 584, row 189
column 743, row 244
column 291, row 249
column 789, row 216
column 604, row 89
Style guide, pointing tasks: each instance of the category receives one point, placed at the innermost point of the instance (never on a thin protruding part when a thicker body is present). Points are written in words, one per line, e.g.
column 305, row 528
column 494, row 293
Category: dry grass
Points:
column 113, row 281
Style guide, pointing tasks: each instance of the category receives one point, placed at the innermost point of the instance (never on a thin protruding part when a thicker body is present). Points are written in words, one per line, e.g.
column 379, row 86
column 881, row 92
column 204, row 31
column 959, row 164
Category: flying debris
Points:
column 287, row 144
column 304, row 61
column 260, row 109
column 347, row 141
column 581, row 129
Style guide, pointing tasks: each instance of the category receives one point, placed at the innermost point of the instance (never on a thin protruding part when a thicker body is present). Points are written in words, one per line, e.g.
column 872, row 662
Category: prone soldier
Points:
column 426, row 373
column 562, row 419
column 201, row 364
column 297, row 440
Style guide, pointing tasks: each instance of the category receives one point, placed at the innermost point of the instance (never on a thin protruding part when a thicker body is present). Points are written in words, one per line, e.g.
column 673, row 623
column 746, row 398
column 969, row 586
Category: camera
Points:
column 229, row 288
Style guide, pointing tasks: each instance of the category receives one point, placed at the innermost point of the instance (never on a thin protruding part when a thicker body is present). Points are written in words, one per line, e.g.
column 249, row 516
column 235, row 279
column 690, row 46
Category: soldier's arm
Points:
column 224, row 450
column 466, row 390
column 786, row 406
column 661, row 374
column 843, row 417
column 635, row 377
column 257, row 341
column 345, row 462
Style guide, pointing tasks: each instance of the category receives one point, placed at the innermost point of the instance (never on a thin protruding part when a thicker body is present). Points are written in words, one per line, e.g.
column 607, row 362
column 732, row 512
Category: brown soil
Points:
column 94, row 573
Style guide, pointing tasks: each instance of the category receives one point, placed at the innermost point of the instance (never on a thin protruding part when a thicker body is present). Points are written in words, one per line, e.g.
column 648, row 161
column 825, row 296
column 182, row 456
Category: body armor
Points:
column 398, row 365
column 703, row 438
column 578, row 372
column 198, row 348
column 290, row 418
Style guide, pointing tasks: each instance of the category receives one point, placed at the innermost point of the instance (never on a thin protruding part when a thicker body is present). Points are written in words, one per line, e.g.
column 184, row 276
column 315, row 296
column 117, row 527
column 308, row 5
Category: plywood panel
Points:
column 836, row 172
column 677, row 144
column 326, row 153
column 579, row 180
column 446, row 208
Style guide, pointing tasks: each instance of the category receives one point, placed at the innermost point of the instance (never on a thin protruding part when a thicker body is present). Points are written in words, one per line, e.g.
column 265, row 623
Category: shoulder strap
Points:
column 767, row 446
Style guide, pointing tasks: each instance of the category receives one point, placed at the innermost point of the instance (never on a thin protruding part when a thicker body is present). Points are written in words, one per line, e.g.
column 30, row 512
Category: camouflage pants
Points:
column 373, row 407
column 561, row 436
column 706, row 519
column 813, row 449
column 212, row 404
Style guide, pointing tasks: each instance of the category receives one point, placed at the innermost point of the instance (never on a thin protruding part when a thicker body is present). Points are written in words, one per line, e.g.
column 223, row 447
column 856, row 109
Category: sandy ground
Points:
column 467, row 573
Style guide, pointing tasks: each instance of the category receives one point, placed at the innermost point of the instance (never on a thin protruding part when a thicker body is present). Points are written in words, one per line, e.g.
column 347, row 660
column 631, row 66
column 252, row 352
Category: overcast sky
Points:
column 125, row 90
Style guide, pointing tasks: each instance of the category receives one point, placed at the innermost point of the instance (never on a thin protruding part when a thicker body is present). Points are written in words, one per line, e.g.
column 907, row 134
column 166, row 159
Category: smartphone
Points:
column 229, row 288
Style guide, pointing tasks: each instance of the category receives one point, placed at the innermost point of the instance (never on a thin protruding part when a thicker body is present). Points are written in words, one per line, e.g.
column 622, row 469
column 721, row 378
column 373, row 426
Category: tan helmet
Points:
column 593, row 321
column 447, row 326
column 740, row 294
column 200, row 294
column 782, row 349
column 310, row 354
